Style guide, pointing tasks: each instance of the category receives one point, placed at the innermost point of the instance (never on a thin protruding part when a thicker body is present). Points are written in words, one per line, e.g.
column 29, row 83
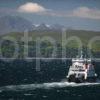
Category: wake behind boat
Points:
column 82, row 70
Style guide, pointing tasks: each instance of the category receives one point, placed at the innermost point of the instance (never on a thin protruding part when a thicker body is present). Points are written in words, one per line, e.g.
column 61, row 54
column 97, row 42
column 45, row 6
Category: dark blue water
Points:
column 51, row 91
column 43, row 85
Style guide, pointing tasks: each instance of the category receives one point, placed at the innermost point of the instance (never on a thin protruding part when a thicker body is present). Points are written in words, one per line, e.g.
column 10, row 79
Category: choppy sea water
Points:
column 51, row 91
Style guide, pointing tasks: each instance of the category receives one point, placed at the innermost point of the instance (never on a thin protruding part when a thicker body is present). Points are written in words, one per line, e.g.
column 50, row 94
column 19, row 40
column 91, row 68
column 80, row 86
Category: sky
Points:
column 76, row 14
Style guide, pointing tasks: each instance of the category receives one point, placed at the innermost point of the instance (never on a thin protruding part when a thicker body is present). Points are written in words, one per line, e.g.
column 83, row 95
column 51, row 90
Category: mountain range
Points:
column 14, row 24
column 19, row 24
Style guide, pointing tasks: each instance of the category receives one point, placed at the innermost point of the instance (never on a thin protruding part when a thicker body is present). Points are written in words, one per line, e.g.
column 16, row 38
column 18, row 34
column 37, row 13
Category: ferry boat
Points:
column 81, row 70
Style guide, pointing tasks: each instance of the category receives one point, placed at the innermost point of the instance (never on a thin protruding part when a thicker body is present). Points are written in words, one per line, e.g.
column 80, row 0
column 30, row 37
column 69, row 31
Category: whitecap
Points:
column 45, row 86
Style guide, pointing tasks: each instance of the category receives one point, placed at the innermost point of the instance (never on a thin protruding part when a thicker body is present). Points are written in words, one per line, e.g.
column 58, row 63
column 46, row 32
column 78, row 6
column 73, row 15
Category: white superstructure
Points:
column 81, row 70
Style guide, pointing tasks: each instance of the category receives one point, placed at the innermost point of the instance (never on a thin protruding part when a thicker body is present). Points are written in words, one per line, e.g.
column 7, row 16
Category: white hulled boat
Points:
column 81, row 70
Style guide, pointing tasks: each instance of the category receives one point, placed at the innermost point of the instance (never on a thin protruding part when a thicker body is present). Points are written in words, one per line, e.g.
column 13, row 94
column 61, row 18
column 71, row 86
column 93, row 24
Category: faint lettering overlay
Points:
column 25, row 39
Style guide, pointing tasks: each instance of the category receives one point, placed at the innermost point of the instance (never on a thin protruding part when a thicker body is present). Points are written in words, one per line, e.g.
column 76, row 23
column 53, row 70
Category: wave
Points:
column 45, row 86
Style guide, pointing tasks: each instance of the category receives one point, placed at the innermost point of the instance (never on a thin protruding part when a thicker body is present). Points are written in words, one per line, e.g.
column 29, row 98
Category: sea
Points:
column 51, row 91
column 55, row 90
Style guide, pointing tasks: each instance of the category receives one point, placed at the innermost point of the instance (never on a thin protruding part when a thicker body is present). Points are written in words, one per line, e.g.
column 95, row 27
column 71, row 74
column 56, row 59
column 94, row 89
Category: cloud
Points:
column 85, row 12
column 80, row 12
column 31, row 7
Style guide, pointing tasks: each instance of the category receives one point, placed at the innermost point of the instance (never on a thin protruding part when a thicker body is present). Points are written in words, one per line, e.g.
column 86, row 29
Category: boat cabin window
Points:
column 76, row 66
